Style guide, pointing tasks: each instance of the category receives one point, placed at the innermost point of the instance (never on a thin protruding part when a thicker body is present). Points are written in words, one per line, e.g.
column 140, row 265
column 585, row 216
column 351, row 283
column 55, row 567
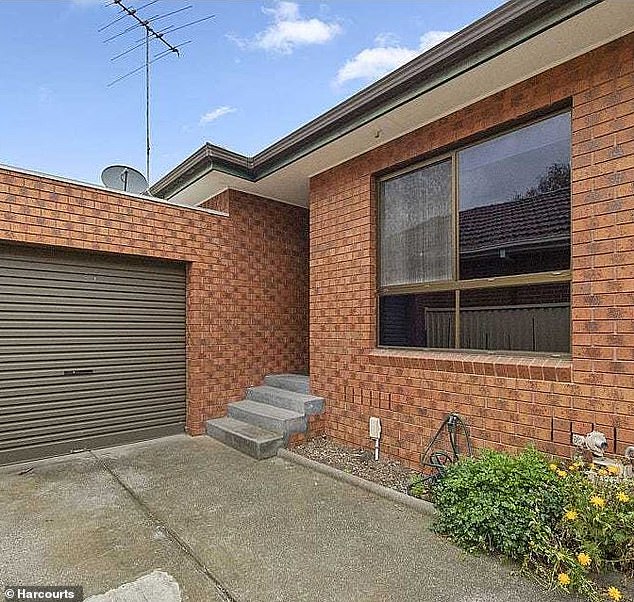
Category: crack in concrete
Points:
column 223, row 591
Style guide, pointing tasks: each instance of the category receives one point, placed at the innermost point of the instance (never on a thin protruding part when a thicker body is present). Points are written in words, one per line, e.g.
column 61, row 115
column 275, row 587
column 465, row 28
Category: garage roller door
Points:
column 92, row 351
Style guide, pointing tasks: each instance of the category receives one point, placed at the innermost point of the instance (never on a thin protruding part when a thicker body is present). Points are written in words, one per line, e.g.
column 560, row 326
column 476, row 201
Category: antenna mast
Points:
column 151, row 33
column 147, row 105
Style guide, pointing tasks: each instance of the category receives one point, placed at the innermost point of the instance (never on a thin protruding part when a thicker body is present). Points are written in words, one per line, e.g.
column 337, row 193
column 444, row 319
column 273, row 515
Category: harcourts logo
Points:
column 48, row 592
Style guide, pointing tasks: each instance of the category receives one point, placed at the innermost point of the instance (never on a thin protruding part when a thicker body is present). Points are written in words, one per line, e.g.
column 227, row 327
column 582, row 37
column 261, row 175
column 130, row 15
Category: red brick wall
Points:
column 508, row 401
column 267, row 298
column 246, row 314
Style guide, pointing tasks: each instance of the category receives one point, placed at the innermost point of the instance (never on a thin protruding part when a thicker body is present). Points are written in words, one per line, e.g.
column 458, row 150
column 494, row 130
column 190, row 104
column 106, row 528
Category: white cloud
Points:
column 215, row 114
column 237, row 40
column 372, row 63
column 289, row 29
column 283, row 11
column 433, row 38
column 45, row 95
column 386, row 39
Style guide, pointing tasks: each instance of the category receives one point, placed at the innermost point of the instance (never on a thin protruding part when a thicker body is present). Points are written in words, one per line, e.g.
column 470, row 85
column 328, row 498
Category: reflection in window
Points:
column 520, row 318
column 419, row 320
column 512, row 195
column 415, row 214
column 515, row 202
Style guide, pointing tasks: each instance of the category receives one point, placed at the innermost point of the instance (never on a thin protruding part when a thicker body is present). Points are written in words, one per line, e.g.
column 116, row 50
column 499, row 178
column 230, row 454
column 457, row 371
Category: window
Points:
column 474, row 248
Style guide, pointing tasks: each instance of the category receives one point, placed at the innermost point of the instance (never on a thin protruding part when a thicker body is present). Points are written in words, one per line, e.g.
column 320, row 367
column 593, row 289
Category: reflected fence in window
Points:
column 542, row 328
column 534, row 318
column 539, row 328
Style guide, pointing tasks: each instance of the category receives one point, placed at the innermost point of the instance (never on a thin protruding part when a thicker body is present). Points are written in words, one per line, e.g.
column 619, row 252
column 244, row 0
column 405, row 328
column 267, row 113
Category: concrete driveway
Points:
column 227, row 527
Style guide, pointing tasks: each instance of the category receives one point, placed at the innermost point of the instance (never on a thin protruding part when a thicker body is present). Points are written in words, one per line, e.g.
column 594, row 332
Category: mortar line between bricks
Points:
column 222, row 590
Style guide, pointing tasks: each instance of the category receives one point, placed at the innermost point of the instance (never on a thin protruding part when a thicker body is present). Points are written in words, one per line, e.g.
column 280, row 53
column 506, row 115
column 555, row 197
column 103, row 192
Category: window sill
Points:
column 508, row 366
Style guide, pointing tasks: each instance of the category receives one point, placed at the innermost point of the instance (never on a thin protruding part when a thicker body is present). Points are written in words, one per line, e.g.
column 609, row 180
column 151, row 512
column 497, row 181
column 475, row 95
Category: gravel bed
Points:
column 357, row 461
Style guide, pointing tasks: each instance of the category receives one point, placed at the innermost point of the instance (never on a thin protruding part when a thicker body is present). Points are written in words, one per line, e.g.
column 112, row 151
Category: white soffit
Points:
column 592, row 28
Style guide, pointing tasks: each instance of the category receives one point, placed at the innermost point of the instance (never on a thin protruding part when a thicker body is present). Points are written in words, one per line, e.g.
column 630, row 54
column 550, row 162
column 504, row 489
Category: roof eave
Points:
column 505, row 27
column 208, row 157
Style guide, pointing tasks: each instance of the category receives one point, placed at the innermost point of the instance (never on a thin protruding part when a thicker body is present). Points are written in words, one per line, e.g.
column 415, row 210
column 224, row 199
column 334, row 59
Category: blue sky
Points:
column 251, row 75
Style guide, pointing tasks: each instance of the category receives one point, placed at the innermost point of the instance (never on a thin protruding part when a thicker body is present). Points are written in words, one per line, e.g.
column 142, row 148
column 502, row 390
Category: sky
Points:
column 253, row 73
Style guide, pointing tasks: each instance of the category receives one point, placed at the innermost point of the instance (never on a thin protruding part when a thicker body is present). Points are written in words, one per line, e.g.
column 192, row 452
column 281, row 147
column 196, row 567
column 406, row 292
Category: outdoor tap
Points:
column 596, row 443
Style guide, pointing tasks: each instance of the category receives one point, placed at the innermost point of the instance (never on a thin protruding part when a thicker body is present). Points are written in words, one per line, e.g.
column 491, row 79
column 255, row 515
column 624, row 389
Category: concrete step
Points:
column 290, row 382
column 289, row 400
column 271, row 418
column 247, row 438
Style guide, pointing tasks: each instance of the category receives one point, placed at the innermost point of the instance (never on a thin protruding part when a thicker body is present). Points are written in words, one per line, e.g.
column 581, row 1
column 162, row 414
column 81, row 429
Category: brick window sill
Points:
column 507, row 366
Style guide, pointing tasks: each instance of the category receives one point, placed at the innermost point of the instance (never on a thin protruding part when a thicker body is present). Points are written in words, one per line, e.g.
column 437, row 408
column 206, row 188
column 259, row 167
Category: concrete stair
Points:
column 289, row 400
column 250, row 439
column 268, row 417
column 288, row 382
column 262, row 422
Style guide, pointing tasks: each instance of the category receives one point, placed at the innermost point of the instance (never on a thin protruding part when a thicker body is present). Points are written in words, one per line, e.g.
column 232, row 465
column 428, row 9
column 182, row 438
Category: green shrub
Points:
column 566, row 523
column 491, row 503
column 604, row 523
column 594, row 534
column 418, row 487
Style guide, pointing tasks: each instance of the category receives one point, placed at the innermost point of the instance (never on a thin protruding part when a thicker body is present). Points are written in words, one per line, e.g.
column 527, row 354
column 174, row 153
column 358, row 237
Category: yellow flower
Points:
column 613, row 469
column 572, row 467
column 562, row 473
column 579, row 463
column 623, row 497
column 584, row 559
column 564, row 579
column 571, row 515
column 552, row 467
column 602, row 472
column 597, row 501
column 614, row 593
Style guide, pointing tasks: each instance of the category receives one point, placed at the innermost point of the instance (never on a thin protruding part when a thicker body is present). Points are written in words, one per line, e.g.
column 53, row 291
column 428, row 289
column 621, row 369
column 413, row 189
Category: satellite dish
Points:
column 121, row 177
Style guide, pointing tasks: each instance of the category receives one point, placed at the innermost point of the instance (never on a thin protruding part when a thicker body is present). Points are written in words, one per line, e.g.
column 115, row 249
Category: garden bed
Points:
column 358, row 462
column 572, row 533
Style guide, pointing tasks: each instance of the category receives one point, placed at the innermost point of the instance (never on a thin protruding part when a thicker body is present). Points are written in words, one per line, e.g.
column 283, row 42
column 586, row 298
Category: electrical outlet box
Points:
column 375, row 427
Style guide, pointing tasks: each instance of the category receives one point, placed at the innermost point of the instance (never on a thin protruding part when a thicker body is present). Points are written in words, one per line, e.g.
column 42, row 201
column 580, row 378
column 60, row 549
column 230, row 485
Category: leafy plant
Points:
column 418, row 487
column 605, row 520
column 595, row 532
column 490, row 503
column 565, row 522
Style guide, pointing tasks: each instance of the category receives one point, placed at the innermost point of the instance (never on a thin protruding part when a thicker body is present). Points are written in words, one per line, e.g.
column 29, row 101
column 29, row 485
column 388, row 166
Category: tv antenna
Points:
column 151, row 33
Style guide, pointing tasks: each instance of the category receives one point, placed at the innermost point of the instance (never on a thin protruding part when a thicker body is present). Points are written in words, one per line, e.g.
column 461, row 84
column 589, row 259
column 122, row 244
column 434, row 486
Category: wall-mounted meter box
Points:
column 375, row 427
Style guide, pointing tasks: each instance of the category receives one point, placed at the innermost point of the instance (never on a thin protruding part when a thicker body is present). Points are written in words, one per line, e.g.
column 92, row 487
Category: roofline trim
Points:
column 500, row 30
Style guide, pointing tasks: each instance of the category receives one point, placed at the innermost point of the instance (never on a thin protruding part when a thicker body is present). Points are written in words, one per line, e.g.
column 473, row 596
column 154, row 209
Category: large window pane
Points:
column 519, row 318
column 415, row 226
column 417, row 320
column 514, row 193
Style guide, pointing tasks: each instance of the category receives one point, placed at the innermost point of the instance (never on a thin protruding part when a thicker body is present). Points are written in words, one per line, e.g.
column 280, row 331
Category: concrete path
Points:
column 226, row 527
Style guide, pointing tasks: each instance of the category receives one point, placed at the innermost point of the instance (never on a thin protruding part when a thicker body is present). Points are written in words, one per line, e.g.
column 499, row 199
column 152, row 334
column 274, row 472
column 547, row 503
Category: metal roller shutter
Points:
column 92, row 351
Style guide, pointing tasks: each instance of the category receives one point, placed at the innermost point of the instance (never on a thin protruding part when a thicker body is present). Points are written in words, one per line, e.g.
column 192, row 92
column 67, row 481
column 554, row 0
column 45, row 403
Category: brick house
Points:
column 455, row 237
